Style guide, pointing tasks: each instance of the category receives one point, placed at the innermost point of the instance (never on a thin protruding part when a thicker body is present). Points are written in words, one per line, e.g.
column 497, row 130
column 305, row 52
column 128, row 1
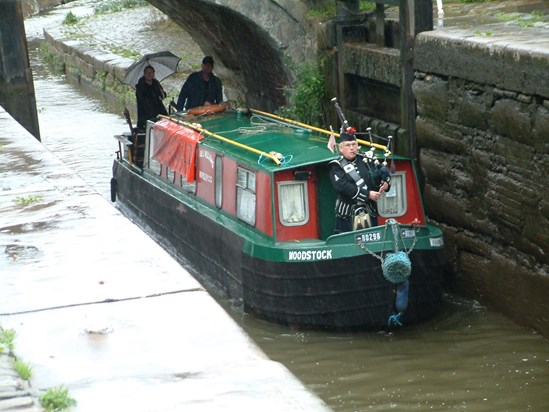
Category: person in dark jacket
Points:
column 358, row 181
column 149, row 94
column 201, row 88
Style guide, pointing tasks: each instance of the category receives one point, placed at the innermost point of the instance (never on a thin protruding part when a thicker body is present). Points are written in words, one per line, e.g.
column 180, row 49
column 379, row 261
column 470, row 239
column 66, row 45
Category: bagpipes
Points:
column 381, row 169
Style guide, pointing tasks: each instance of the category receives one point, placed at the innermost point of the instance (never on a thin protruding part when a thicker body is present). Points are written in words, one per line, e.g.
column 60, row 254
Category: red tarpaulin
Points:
column 174, row 146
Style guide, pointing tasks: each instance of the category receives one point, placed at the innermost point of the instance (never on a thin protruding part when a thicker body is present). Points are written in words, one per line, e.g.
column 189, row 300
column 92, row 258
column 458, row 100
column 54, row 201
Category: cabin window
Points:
column 218, row 181
column 292, row 203
column 393, row 203
column 245, row 195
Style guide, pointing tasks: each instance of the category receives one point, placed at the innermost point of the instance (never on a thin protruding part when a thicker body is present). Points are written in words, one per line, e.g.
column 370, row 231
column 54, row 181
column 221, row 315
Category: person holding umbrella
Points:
column 201, row 88
column 149, row 94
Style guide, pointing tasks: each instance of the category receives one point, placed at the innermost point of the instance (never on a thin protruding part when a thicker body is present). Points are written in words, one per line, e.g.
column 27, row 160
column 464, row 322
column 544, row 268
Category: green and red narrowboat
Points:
column 244, row 198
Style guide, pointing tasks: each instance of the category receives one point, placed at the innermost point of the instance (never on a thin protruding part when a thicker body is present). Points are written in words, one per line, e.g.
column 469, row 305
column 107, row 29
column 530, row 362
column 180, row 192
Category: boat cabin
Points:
column 270, row 176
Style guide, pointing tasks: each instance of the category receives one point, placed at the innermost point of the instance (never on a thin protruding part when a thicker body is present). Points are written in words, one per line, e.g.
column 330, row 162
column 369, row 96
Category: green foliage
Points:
column 57, row 399
column 483, row 33
column 322, row 11
column 327, row 10
column 70, row 19
column 23, row 369
column 7, row 338
column 305, row 100
column 367, row 5
column 524, row 20
column 27, row 200
column 51, row 58
column 121, row 51
column 114, row 6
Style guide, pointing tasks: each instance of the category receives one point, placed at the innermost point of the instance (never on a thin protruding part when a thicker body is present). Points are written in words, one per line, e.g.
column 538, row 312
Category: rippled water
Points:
column 467, row 358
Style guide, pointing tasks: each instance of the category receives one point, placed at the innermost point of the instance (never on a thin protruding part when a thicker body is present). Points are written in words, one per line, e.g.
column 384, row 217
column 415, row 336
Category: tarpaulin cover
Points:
column 174, row 146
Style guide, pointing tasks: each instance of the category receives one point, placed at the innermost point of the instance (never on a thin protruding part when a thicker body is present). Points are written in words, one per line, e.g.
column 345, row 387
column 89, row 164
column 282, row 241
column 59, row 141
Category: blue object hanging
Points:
column 401, row 301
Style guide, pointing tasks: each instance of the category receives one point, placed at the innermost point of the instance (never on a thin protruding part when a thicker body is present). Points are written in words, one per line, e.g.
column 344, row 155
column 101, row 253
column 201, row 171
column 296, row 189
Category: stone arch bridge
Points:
column 254, row 42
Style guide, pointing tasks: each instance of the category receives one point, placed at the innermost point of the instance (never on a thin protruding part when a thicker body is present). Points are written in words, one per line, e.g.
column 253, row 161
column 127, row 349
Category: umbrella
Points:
column 164, row 63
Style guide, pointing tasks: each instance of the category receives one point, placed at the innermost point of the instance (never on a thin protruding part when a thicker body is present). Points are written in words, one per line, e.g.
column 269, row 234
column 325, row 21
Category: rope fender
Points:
column 396, row 267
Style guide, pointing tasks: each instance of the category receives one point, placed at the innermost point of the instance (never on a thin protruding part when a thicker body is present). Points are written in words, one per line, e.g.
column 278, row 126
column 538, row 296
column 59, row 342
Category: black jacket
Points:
column 352, row 193
column 149, row 101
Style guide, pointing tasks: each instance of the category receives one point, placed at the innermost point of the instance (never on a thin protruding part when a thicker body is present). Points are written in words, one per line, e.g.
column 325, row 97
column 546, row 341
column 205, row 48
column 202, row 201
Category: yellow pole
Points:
column 224, row 139
column 316, row 129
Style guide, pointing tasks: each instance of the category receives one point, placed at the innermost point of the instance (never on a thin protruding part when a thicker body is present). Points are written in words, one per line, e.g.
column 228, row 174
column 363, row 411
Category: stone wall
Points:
column 483, row 135
column 32, row 7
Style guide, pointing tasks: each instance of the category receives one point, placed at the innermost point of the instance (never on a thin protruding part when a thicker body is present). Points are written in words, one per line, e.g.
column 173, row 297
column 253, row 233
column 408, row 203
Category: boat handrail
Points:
column 224, row 139
column 316, row 129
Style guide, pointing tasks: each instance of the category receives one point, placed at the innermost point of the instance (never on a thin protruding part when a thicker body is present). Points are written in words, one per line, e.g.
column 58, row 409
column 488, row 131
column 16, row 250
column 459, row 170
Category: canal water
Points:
column 466, row 358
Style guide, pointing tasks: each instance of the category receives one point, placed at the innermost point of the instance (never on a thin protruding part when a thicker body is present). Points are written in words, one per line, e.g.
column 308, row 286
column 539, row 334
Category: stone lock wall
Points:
column 483, row 135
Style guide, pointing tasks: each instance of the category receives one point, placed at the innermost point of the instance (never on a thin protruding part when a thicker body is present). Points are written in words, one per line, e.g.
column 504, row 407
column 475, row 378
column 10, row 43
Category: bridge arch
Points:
column 254, row 42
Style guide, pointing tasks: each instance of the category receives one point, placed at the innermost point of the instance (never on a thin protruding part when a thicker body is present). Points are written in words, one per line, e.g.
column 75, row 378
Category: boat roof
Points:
column 299, row 146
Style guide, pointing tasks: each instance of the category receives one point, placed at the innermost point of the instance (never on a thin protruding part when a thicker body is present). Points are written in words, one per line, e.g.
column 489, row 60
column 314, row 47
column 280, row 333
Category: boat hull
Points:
column 339, row 294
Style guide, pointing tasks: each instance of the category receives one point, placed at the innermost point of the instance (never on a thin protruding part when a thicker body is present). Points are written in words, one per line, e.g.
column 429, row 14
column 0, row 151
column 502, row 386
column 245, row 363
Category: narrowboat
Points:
column 243, row 198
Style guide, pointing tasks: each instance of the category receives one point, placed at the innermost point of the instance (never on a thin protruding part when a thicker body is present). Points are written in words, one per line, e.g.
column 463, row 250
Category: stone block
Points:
column 444, row 207
column 431, row 93
column 471, row 110
column 435, row 166
column 471, row 242
column 433, row 135
column 540, row 131
column 87, row 70
column 512, row 119
column 459, row 53
column 481, row 159
column 369, row 61
column 535, row 230
column 16, row 403
column 512, row 59
column 526, row 66
column 514, row 153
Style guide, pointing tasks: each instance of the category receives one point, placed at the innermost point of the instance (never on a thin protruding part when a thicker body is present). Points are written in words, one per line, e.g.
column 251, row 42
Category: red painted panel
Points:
column 310, row 229
column 415, row 209
column 205, row 176
column 229, row 186
column 264, row 215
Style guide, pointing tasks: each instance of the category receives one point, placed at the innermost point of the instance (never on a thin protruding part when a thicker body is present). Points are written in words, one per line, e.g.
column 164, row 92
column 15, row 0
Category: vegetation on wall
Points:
column 51, row 58
column 524, row 20
column 305, row 98
column 57, row 399
column 327, row 10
